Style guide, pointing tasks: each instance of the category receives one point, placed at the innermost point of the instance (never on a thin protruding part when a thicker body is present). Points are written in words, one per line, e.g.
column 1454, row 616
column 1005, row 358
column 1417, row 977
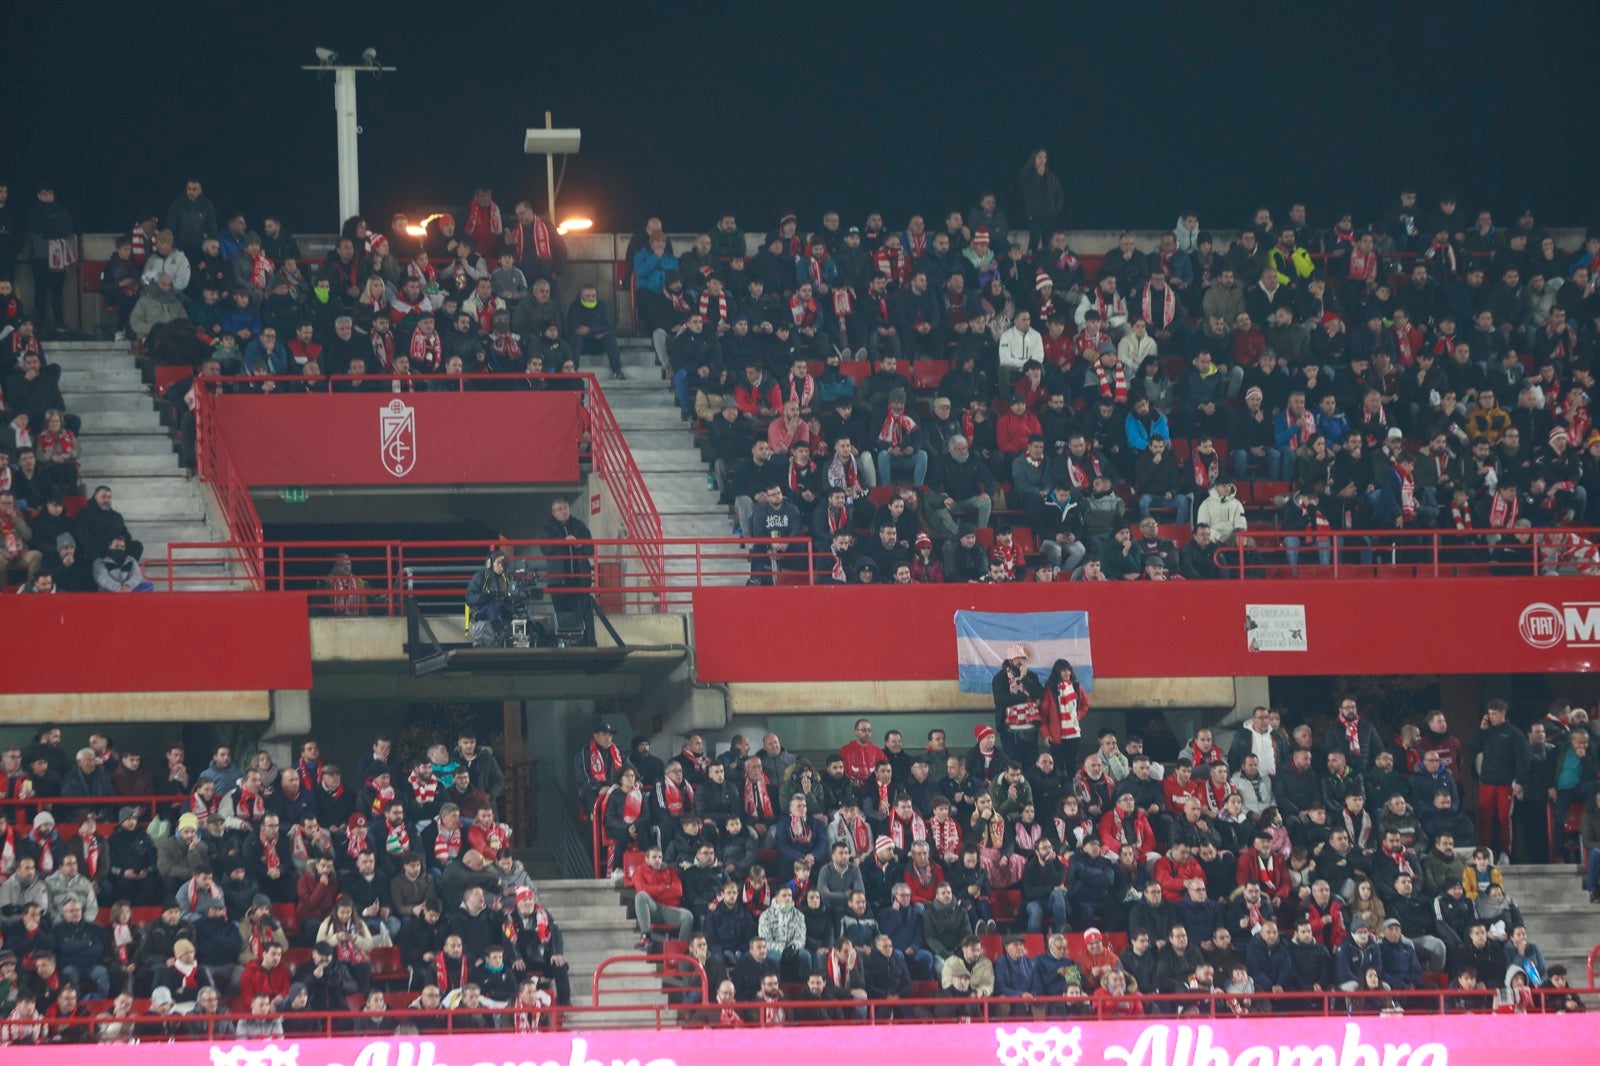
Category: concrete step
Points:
column 78, row 379
column 125, row 398
column 106, row 467
column 97, row 442
column 122, row 419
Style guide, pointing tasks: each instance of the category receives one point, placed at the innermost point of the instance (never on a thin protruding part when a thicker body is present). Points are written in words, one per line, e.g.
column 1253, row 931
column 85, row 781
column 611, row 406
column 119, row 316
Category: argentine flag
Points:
column 983, row 636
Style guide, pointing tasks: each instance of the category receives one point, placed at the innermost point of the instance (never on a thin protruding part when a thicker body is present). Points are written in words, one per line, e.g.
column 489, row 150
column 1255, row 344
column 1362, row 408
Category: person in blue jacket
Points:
column 1354, row 955
column 1268, row 959
column 1402, row 969
column 1014, row 976
column 651, row 264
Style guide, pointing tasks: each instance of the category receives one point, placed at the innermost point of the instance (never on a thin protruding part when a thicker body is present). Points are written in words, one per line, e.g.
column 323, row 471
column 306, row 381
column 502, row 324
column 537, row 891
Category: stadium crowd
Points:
column 1427, row 370
column 1287, row 862
column 262, row 890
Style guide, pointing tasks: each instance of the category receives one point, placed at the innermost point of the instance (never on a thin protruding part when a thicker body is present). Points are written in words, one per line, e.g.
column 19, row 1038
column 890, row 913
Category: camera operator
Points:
column 570, row 565
column 486, row 596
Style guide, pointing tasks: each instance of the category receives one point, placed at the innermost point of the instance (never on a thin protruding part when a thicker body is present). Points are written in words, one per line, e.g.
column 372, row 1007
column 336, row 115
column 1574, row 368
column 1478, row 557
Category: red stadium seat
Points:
column 927, row 373
column 1179, row 534
column 285, row 913
column 1023, row 538
column 387, row 965
column 168, row 376
column 856, row 370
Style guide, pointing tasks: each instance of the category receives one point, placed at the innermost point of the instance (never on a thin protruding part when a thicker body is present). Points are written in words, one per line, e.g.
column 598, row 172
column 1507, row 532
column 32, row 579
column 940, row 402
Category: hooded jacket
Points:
column 155, row 307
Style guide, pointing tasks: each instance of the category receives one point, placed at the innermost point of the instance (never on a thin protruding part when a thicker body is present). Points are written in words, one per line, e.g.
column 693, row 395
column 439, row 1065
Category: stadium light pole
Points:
column 551, row 142
column 346, row 129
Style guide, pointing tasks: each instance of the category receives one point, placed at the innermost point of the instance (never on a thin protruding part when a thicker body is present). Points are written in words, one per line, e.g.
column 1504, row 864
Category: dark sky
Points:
column 691, row 109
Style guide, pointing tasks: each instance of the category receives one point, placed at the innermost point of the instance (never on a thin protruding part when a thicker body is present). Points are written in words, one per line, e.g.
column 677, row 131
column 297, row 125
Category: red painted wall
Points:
column 453, row 438
column 156, row 642
column 1141, row 629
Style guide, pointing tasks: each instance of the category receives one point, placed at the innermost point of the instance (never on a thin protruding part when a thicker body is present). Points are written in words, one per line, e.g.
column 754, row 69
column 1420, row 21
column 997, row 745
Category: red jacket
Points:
column 1012, row 433
column 1112, row 842
column 859, row 760
column 1172, row 877
column 923, row 893
column 1274, row 882
column 257, row 980
column 662, row 885
column 315, row 899
column 1176, row 794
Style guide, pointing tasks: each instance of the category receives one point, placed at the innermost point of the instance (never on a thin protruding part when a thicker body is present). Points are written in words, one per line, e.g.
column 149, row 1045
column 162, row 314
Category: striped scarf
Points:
column 541, row 238
column 446, row 843
column 1112, row 385
column 706, row 304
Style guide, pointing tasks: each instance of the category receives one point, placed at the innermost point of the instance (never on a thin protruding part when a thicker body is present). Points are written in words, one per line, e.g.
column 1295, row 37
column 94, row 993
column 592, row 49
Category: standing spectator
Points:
column 192, row 218
column 52, row 254
column 1041, row 196
column 1503, row 749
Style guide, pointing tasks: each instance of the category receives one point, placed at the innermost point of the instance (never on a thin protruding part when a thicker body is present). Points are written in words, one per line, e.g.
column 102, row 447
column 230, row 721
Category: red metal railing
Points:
column 616, row 969
column 69, row 809
column 607, row 449
column 1385, row 553
column 781, row 1013
column 629, row 575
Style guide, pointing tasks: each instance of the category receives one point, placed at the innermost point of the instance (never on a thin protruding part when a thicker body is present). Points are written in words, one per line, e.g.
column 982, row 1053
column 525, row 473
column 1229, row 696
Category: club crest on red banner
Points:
column 397, row 423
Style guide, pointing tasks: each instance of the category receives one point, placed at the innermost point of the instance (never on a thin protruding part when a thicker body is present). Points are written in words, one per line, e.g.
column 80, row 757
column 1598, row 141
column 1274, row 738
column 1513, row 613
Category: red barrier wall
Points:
column 444, row 438
column 1143, row 629
column 193, row 642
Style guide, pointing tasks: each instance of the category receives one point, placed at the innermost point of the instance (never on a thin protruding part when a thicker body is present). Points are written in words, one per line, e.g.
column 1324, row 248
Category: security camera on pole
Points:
column 344, row 107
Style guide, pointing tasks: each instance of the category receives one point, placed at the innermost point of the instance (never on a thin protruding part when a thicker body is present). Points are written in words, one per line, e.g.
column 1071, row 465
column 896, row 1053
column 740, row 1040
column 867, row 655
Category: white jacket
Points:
column 1225, row 517
column 1132, row 349
column 175, row 266
column 1017, row 347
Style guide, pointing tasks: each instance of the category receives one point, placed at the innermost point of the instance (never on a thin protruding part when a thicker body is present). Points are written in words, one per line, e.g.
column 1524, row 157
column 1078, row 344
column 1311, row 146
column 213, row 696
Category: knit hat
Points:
column 1041, row 280
column 181, row 948
column 1594, row 437
column 982, row 236
column 966, row 529
column 1558, row 432
column 44, row 818
column 65, row 541
column 1328, row 316
column 897, row 395
column 881, row 843
column 259, row 900
column 1016, row 651
column 127, row 812
column 161, row 996
column 922, row 540
column 188, row 821
column 1093, row 934
column 982, row 731
column 1253, row 390
column 524, row 892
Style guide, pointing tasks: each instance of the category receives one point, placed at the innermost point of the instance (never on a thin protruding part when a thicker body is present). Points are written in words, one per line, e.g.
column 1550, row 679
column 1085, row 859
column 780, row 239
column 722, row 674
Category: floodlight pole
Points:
column 550, row 174
column 346, row 130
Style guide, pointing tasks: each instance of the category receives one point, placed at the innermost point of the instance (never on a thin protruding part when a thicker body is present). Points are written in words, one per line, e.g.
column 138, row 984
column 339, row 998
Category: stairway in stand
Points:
column 663, row 446
column 125, row 446
column 1561, row 921
column 596, row 925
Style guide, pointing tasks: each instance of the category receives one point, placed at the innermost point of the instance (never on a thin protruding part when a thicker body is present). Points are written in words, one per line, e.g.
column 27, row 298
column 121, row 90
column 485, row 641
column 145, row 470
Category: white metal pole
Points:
column 344, row 106
column 550, row 174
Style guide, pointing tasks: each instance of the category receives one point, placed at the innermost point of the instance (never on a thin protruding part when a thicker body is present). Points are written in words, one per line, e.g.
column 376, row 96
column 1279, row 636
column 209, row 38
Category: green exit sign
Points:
column 294, row 495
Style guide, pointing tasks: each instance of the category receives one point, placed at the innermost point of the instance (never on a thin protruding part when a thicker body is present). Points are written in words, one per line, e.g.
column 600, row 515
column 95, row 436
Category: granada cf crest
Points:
column 397, row 422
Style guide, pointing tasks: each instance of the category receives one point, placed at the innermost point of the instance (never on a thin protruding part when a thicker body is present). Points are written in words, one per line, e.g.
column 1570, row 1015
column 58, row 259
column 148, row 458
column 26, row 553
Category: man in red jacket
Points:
column 657, row 895
column 1179, row 786
column 266, row 976
column 1258, row 864
column 861, row 756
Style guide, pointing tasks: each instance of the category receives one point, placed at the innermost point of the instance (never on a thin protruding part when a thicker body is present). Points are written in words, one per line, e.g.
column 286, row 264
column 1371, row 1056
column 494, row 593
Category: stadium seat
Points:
column 1179, row 533
column 387, row 965
column 1005, row 903
column 985, row 538
column 1023, row 538
column 285, row 913
column 880, row 494
column 927, row 373
column 857, row 370
column 168, row 376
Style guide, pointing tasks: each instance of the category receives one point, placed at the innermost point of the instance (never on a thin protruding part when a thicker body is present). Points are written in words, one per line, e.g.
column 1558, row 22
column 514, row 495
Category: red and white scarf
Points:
column 398, row 838
column 91, row 854
column 423, row 790
column 917, row 244
column 303, row 846
column 758, row 799
column 632, row 805
column 1402, row 864
column 904, row 833
column 1503, row 513
column 1445, row 252
column 1076, row 472
column 1169, row 306
column 756, row 897
column 541, row 239
column 800, row 829
column 483, row 223
column 676, row 798
column 706, row 304
column 8, row 851
column 860, row 835
column 541, row 925
column 1363, row 265
column 248, row 806
column 1352, row 734
column 814, row 269
column 427, row 352
column 804, row 312
column 1460, row 516
column 1114, row 385
column 945, row 834
column 446, row 842
column 383, row 350
column 1408, row 493
column 895, row 427
column 270, row 858
column 799, row 389
column 442, row 968
column 1067, row 695
column 603, row 763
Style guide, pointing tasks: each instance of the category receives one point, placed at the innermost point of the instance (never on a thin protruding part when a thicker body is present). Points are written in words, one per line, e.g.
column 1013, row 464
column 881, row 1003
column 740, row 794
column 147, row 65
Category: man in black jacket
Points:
column 569, row 569
column 957, row 484
column 1504, row 766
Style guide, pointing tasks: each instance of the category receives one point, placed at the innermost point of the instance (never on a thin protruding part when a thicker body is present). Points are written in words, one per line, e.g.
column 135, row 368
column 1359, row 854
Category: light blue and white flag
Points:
column 982, row 638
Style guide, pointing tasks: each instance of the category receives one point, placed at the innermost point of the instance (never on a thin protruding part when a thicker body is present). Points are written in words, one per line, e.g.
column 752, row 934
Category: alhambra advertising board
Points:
column 1411, row 1040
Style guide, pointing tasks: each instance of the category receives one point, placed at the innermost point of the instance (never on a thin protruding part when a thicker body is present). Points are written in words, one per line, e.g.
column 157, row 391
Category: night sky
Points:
column 689, row 110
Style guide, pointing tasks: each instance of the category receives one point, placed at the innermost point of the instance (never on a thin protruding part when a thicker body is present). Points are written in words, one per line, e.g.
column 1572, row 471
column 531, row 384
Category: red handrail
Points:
column 1353, row 553
column 215, row 467
column 681, row 966
column 1594, row 956
column 392, row 572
